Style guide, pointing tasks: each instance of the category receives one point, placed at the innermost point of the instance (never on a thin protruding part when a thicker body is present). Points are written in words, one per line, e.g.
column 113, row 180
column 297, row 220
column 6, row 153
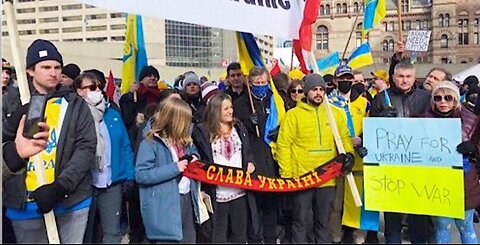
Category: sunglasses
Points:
column 296, row 91
column 92, row 87
column 447, row 98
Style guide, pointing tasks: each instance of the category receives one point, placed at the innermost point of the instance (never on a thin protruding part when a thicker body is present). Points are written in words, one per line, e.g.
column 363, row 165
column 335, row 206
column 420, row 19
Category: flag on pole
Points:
column 361, row 57
column 110, row 88
column 249, row 57
column 276, row 68
column 303, row 45
column 134, row 54
column 375, row 11
column 328, row 64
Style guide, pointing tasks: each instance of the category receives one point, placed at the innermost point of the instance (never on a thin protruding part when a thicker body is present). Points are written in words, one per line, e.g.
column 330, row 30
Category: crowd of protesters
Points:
column 113, row 169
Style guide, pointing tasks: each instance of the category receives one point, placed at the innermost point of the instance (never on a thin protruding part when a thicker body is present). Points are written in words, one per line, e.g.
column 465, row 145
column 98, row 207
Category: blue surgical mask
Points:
column 260, row 92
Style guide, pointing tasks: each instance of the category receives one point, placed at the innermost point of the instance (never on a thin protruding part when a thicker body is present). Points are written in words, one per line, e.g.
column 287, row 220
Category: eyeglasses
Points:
column 92, row 87
column 296, row 91
column 447, row 98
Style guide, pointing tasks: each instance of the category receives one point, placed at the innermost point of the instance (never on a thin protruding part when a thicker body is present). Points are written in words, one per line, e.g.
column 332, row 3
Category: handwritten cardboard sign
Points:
column 412, row 141
column 418, row 40
column 436, row 191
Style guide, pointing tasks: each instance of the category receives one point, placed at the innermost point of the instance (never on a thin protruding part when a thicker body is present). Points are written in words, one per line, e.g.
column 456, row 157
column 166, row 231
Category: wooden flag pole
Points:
column 399, row 15
column 338, row 140
column 50, row 223
column 291, row 58
column 350, row 36
column 253, row 107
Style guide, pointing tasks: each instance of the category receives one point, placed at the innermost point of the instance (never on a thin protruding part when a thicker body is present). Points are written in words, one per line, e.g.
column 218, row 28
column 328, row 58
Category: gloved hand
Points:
column 273, row 134
column 46, row 196
column 468, row 149
column 254, row 118
column 361, row 151
column 347, row 160
column 389, row 112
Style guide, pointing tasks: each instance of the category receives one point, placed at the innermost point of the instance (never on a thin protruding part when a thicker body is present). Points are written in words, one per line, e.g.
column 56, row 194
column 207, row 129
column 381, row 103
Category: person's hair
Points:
column 77, row 83
column 446, row 91
column 404, row 66
column 281, row 81
column 172, row 121
column 448, row 75
column 295, row 84
column 233, row 66
column 212, row 115
column 328, row 78
column 258, row 71
column 357, row 72
column 166, row 93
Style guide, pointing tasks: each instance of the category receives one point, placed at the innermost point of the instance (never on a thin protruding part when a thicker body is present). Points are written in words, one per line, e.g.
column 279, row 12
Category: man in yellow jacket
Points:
column 304, row 143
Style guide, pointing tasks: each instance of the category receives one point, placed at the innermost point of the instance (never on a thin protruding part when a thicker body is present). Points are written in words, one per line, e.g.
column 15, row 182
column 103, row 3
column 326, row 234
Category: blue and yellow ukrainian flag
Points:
column 375, row 11
column 328, row 64
column 134, row 54
column 249, row 57
column 361, row 57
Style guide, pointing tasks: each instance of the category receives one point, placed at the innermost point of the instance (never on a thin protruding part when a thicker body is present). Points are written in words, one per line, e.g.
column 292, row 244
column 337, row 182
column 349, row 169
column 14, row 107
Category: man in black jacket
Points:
column 236, row 81
column 265, row 165
column 67, row 158
column 402, row 99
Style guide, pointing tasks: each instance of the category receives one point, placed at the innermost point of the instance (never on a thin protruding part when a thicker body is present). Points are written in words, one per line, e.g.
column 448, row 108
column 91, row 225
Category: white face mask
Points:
column 94, row 98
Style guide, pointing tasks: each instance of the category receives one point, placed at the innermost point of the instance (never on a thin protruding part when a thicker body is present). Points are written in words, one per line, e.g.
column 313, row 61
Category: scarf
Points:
column 96, row 103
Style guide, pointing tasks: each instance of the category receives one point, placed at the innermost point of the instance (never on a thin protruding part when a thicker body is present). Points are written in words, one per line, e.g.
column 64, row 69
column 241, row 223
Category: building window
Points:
column 444, row 60
column 48, row 20
column 463, row 32
column 339, row 8
column 385, row 45
column 27, row 21
column 118, row 15
column 424, row 25
column 358, row 33
column 407, row 25
column 444, row 41
column 96, row 16
column 391, row 45
column 385, row 26
column 48, row 9
column 118, row 38
column 446, row 20
column 25, row 10
column 48, row 31
column 404, row 6
column 71, row 18
column 96, row 28
column 73, row 40
column 71, row 6
column 344, row 8
column 418, row 25
column 476, row 39
column 391, row 26
column 118, row 27
column 385, row 61
column 4, row 33
column 71, row 29
column 355, row 7
column 322, row 38
column 440, row 20
column 322, row 10
column 327, row 9
column 97, row 39
column 27, row 32
column 89, row 6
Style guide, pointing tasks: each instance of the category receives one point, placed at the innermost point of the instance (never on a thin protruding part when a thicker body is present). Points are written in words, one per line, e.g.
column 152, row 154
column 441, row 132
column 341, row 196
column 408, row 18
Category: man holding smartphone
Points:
column 67, row 157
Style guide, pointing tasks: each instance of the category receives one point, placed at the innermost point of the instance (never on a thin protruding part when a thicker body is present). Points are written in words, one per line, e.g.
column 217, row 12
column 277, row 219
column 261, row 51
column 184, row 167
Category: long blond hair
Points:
column 172, row 121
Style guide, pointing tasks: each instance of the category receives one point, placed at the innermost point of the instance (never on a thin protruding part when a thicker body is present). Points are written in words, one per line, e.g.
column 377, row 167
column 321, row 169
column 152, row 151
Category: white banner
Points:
column 278, row 18
column 418, row 40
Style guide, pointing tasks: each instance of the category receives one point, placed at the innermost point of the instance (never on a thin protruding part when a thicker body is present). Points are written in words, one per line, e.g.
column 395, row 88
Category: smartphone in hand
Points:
column 35, row 114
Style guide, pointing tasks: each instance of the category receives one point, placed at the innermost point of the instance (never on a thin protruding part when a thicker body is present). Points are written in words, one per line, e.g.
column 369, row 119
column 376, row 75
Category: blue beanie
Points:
column 41, row 50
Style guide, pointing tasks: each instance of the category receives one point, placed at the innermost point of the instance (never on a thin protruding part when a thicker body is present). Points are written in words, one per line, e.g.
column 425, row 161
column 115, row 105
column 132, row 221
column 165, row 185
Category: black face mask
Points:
column 345, row 87
column 359, row 88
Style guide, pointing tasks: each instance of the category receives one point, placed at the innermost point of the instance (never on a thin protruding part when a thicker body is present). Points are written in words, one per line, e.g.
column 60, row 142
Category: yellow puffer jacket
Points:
column 306, row 140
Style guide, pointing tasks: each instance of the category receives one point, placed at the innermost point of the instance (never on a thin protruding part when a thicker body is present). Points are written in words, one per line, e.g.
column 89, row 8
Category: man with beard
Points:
column 435, row 76
column 355, row 107
column 305, row 142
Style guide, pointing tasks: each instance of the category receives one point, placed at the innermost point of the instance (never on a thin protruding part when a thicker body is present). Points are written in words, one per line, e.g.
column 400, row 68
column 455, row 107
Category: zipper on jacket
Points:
column 318, row 127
